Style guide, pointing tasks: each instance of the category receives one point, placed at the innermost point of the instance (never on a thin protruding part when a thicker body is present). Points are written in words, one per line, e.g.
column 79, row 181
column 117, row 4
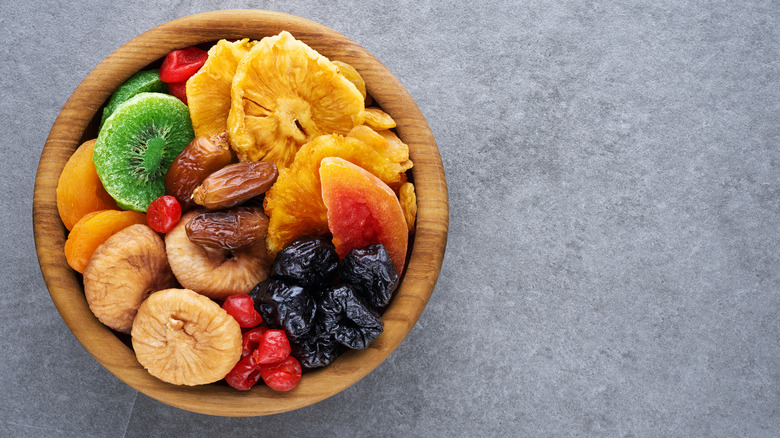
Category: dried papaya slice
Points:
column 283, row 95
column 294, row 204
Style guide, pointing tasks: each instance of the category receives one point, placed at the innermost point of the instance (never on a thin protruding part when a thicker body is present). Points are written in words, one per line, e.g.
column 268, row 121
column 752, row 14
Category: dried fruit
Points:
column 79, row 190
column 180, row 65
column 318, row 349
column 216, row 273
column 285, row 306
column 136, row 146
column 272, row 348
column 362, row 210
column 92, row 230
column 124, row 270
column 141, row 82
column 244, row 375
column 352, row 75
column 377, row 119
column 208, row 90
column 371, row 271
column 351, row 321
column 282, row 376
column 386, row 143
column 184, row 338
column 294, row 204
column 283, row 95
column 307, row 262
column 231, row 229
column 235, row 184
column 163, row 213
column 251, row 339
column 178, row 90
column 242, row 308
column 408, row 200
column 203, row 156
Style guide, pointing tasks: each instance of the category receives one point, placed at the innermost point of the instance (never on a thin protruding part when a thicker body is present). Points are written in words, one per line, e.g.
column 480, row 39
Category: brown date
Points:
column 202, row 157
column 235, row 184
column 229, row 229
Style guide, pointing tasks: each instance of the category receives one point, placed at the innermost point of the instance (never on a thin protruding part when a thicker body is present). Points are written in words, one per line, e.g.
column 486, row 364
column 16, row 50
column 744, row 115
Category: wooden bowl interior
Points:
column 77, row 122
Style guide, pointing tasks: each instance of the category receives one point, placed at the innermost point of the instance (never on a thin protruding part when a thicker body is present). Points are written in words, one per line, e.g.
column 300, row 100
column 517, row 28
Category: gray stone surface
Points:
column 612, row 263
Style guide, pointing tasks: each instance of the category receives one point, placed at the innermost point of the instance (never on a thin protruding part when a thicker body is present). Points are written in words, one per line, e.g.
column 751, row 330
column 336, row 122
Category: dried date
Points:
column 235, row 184
column 202, row 157
column 230, row 229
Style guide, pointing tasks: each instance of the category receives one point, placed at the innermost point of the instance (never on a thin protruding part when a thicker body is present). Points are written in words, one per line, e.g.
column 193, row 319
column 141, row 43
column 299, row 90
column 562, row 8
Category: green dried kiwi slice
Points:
column 141, row 82
column 137, row 145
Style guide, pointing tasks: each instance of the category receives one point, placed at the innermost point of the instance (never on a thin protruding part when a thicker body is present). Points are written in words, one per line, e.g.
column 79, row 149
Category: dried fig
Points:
column 214, row 272
column 184, row 338
column 122, row 272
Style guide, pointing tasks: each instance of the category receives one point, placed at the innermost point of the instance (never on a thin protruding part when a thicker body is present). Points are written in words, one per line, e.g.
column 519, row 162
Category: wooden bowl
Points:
column 77, row 122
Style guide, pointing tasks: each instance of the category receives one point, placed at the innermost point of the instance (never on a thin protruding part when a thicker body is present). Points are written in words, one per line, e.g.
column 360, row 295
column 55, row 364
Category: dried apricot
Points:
column 79, row 190
column 92, row 230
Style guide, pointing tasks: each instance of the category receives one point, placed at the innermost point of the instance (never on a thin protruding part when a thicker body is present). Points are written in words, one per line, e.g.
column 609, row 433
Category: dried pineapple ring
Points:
column 284, row 94
column 208, row 90
column 294, row 204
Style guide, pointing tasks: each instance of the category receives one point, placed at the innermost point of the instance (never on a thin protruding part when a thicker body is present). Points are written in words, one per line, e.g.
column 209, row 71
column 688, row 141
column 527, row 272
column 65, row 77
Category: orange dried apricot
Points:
column 79, row 190
column 92, row 230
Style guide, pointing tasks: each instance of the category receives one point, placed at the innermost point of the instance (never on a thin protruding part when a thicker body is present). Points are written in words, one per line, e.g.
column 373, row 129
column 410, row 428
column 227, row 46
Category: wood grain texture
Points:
column 76, row 123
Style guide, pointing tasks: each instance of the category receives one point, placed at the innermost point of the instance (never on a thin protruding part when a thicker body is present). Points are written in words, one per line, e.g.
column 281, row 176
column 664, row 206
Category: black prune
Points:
column 352, row 322
column 371, row 270
column 285, row 306
column 316, row 350
column 307, row 262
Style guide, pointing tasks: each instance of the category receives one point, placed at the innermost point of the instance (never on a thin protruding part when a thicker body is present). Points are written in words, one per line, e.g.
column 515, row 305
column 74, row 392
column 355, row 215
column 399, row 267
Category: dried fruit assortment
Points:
column 244, row 213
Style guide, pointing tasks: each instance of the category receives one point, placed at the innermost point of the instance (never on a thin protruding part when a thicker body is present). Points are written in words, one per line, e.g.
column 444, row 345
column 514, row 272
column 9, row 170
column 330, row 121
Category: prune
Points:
column 352, row 322
column 316, row 350
column 372, row 272
column 307, row 262
column 285, row 306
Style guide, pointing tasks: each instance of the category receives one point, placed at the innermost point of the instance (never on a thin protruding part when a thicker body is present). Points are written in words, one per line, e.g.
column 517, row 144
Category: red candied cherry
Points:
column 282, row 376
column 251, row 340
column 163, row 213
column 244, row 374
column 178, row 89
column 273, row 347
column 242, row 308
column 179, row 65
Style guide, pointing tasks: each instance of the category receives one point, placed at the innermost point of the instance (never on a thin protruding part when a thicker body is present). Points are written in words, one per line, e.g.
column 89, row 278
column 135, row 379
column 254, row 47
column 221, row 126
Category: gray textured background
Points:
column 612, row 263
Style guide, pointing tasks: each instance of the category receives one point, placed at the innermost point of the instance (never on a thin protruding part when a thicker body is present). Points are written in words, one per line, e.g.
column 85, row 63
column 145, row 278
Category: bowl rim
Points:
column 424, row 261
